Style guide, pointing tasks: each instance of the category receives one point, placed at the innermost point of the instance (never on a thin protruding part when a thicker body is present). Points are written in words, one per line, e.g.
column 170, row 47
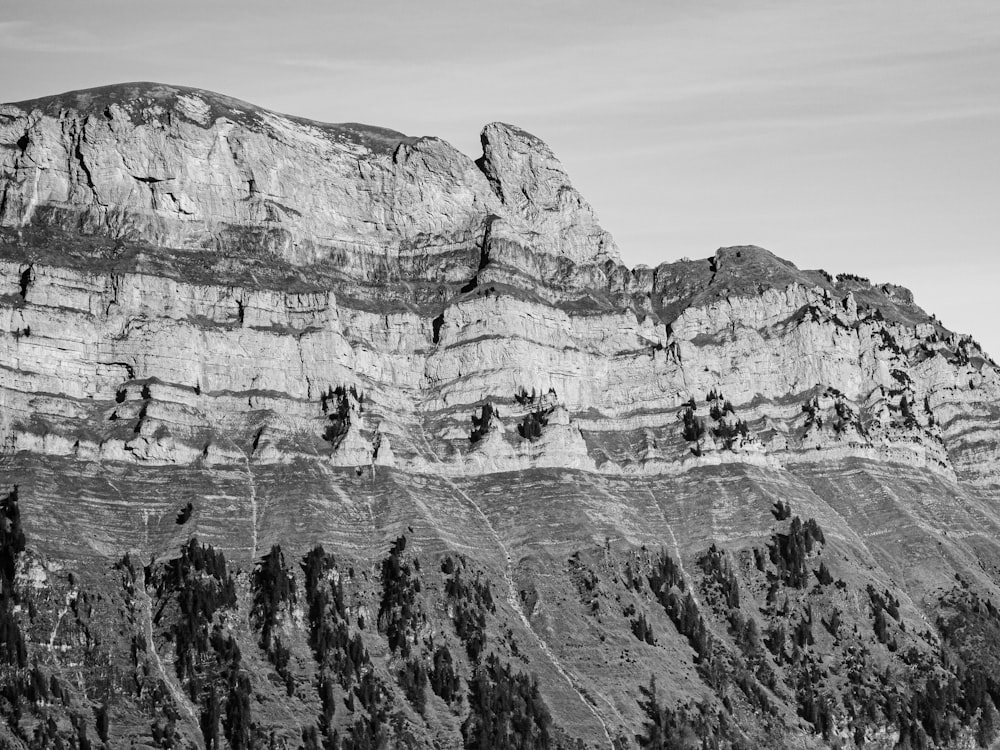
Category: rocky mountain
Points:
column 321, row 435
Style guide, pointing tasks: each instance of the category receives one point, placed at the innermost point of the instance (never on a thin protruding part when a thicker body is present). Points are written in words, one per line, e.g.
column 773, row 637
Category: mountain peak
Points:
column 145, row 101
column 191, row 169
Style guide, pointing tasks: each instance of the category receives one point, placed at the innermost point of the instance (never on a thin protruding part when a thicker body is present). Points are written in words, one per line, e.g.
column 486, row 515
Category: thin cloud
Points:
column 22, row 36
column 327, row 65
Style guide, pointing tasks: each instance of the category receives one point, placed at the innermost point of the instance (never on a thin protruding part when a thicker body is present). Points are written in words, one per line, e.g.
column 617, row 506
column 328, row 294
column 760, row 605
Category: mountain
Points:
column 319, row 435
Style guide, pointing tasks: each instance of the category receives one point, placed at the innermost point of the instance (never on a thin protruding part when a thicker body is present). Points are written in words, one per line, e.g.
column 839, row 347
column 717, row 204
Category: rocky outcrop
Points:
column 170, row 319
column 183, row 168
column 539, row 199
column 225, row 322
column 797, row 364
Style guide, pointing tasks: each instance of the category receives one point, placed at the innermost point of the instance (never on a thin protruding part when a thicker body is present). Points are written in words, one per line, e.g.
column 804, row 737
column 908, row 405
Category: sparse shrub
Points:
column 642, row 630
column 523, row 397
column 823, row 575
column 337, row 406
column 531, row 427
column 781, row 511
column 481, row 424
column 718, row 569
column 694, row 428
column 667, row 585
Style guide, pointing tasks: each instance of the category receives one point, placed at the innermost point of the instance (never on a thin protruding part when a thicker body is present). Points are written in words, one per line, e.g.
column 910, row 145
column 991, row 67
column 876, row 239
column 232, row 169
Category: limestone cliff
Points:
column 223, row 322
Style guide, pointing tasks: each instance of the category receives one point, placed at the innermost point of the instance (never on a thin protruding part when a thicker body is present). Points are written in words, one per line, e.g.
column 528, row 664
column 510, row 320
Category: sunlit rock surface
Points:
column 341, row 335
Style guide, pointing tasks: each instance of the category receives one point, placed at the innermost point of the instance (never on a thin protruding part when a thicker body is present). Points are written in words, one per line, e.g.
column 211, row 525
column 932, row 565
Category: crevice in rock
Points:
column 439, row 321
column 114, row 291
column 484, row 165
column 25, row 281
column 484, row 255
column 78, row 153
column 484, row 247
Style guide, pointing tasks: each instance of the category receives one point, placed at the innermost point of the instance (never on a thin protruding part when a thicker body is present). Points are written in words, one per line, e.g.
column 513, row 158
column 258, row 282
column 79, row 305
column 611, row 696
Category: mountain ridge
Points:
column 309, row 443
column 97, row 99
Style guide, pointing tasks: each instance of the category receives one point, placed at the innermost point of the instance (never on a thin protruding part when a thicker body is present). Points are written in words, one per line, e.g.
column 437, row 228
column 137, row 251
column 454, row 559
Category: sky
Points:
column 852, row 136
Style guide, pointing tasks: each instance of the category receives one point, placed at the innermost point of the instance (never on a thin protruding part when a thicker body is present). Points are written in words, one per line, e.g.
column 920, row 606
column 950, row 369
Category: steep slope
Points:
column 324, row 435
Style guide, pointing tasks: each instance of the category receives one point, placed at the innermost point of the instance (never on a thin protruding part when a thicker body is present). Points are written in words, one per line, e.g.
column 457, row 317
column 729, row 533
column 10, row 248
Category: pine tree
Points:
column 654, row 736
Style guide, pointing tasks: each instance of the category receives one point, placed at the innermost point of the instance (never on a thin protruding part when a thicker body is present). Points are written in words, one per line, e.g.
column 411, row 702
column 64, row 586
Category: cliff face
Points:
column 184, row 169
column 225, row 323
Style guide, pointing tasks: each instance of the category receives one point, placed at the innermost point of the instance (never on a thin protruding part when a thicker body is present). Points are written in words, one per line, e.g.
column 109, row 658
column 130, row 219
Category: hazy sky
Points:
column 854, row 136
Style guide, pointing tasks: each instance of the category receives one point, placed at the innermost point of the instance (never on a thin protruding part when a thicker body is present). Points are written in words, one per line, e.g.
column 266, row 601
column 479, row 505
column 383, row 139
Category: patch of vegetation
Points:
column 399, row 613
column 412, row 679
column 506, row 711
column 970, row 630
column 812, row 411
column 668, row 586
column 720, row 407
column 481, row 424
column 789, row 551
column 12, row 541
column 523, row 397
column 781, row 511
column 531, row 426
column 642, row 630
column 471, row 600
column 586, row 581
column 337, row 406
column 694, row 427
column 718, row 570
column 728, row 432
column 196, row 586
column 443, row 677
column 200, row 584
column 334, row 648
column 273, row 586
column 685, row 726
column 346, row 673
